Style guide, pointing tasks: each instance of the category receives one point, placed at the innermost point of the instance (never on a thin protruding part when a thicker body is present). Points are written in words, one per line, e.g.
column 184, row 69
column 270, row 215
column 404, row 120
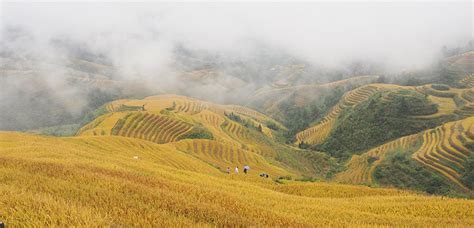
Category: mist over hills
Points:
column 155, row 50
column 91, row 79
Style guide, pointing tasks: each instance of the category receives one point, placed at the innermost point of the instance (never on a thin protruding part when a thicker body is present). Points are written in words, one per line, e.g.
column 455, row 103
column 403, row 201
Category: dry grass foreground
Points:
column 96, row 181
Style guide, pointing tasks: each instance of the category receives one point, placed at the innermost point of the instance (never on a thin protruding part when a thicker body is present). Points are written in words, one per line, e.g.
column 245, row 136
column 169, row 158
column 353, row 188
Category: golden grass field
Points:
column 223, row 156
column 122, row 181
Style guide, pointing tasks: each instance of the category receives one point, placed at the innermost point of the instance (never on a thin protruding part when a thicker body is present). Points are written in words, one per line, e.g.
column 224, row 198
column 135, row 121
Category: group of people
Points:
column 246, row 170
column 236, row 170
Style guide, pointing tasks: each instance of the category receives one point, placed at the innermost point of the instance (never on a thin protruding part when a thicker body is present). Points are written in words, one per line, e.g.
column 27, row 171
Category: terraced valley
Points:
column 176, row 143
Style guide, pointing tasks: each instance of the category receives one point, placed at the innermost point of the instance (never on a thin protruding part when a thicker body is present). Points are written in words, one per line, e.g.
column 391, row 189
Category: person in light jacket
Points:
column 246, row 169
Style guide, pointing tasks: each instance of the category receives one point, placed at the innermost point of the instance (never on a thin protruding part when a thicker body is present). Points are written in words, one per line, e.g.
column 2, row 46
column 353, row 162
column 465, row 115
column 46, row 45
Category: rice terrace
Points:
column 236, row 114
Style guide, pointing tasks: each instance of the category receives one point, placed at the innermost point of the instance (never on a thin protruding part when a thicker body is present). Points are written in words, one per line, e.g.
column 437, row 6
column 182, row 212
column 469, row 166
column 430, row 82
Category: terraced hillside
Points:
column 170, row 118
column 444, row 149
column 360, row 168
column 187, row 105
column 223, row 156
column 271, row 100
column 450, row 100
column 451, row 103
column 468, row 80
column 307, row 88
column 119, row 181
column 152, row 115
column 151, row 127
column 466, row 110
column 319, row 132
column 461, row 63
column 468, row 95
column 458, row 70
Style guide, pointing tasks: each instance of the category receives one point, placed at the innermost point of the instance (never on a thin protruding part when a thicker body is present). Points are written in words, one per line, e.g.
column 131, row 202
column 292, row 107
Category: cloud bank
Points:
column 404, row 34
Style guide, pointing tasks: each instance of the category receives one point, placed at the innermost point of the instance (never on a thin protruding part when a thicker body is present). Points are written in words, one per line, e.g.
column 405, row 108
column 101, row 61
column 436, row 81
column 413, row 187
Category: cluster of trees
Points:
column 246, row 122
column 59, row 131
column 130, row 108
column 198, row 132
column 96, row 108
column 272, row 125
column 173, row 107
column 441, row 87
column 403, row 172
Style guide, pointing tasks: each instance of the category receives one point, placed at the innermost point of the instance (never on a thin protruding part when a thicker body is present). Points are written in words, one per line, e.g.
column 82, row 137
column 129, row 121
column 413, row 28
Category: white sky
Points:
column 404, row 34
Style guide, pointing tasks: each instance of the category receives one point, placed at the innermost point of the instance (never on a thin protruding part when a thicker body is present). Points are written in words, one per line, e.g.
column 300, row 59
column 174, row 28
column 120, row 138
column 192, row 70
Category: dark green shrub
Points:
column 198, row 132
column 272, row 125
column 372, row 159
column 441, row 87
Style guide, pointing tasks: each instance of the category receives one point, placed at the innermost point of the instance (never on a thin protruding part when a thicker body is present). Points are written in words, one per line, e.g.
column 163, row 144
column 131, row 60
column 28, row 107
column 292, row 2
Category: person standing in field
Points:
column 246, row 169
column 236, row 170
column 228, row 170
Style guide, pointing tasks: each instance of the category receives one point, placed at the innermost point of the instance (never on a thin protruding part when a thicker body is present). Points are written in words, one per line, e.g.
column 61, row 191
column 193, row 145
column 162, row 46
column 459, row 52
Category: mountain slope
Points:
column 232, row 135
column 443, row 150
column 319, row 132
column 451, row 103
column 274, row 101
column 165, row 118
column 360, row 168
